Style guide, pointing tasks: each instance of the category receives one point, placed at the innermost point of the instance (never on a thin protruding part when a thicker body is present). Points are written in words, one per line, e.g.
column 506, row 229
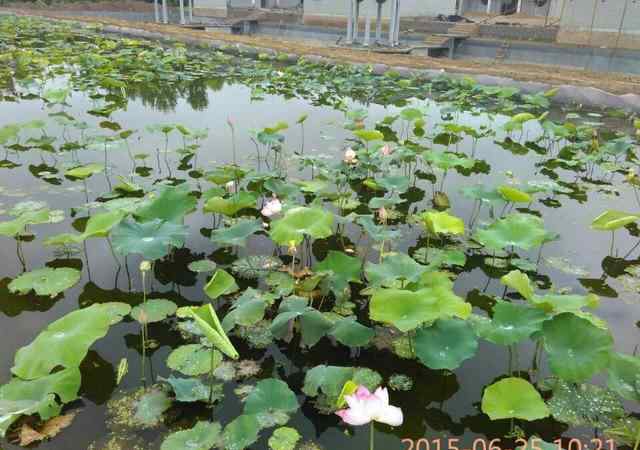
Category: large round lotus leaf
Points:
column 150, row 407
column 513, row 398
column 445, row 344
column 313, row 324
column 326, row 379
column 369, row 135
column 154, row 310
column 514, row 195
column 559, row 303
column 221, row 283
column 188, row 389
column 231, row 206
column 151, row 239
column 520, row 282
column 236, row 234
column 66, row 341
column 82, row 172
column 171, row 205
column 246, row 311
column 241, row 432
column 343, row 270
column 447, row 160
column 576, row 348
column 27, row 217
column 524, row 231
column 442, row 222
column 100, row 224
column 394, row 267
column 511, row 323
column 407, row 310
column 624, row 376
column 203, row 436
column 298, row 222
column 38, row 396
column 271, row 395
column 612, row 220
column 47, row 281
column 284, row 438
column 481, row 193
column 203, row 265
column 348, row 331
column 193, row 359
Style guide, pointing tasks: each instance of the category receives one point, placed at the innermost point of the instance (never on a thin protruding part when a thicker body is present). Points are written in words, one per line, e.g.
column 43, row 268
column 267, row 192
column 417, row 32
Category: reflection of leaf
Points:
column 203, row 436
column 47, row 281
column 513, row 398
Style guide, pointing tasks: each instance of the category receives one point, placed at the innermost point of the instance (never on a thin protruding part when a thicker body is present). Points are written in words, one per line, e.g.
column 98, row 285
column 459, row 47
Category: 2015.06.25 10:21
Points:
column 495, row 444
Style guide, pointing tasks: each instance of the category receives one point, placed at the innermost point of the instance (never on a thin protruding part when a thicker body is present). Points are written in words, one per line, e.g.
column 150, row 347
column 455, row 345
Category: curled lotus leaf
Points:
column 221, row 283
column 612, row 220
column 208, row 322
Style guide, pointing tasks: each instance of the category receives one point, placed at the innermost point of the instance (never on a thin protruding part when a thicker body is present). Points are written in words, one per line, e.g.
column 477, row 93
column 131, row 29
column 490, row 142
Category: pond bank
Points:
column 594, row 90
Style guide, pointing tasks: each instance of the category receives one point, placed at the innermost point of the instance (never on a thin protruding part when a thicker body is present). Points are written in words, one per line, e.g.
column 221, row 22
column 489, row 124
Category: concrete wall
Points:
column 528, row 8
column 339, row 8
column 222, row 4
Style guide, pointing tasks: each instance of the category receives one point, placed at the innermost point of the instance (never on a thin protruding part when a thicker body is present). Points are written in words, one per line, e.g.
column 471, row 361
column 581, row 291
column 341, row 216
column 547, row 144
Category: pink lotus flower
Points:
column 350, row 156
column 365, row 407
column 385, row 150
column 272, row 207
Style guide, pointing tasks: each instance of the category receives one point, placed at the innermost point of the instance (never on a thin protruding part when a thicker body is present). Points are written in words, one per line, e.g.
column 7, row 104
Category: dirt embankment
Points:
column 615, row 83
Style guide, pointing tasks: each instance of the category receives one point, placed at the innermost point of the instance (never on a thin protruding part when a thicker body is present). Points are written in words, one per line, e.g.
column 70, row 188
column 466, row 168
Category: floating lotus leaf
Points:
column 203, row 265
column 66, row 341
column 394, row 267
column 520, row 282
column 445, row 344
column 369, row 135
column 576, row 348
column 313, row 324
column 236, row 234
column 150, row 407
column 447, row 160
column 514, row 195
column 188, row 389
column 221, row 283
column 611, row 220
column 151, row 239
column 284, row 438
column 407, row 310
column 203, row 436
column 247, row 310
column 300, row 221
column 481, row 193
column 38, row 214
column 171, row 205
column 231, row 206
column 241, row 432
column 82, row 172
column 271, row 395
column 435, row 258
column 511, row 323
column 442, row 222
column 46, row 282
column 329, row 380
column 256, row 266
column 153, row 310
column 342, row 270
column 624, row 376
column 513, row 398
column 194, row 359
column 20, row 397
column 208, row 322
column 348, row 331
column 519, row 230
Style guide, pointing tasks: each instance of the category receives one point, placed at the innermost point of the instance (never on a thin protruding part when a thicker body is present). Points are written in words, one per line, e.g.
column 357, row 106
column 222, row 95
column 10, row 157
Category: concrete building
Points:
column 408, row 8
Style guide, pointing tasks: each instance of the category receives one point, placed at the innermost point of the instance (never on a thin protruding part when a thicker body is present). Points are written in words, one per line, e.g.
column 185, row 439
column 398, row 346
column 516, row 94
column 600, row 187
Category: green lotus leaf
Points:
column 407, row 310
column 312, row 186
column 394, row 267
column 284, row 438
column 188, row 389
column 300, row 221
column 203, row 436
column 170, row 205
column 271, row 395
column 82, row 172
column 153, row 310
column 22, row 397
column 447, row 160
column 342, row 270
column 241, row 432
column 519, row 230
column 246, row 311
column 100, row 224
column 221, row 283
column 236, row 234
column 66, row 341
column 520, row 282
column 445, row 344
column 150, row 407
column 231, row 206
column 9, row 132
column 194, row 359
column 559, row 303
column 369, row 135
column 313, row 324
column 624, row 376
column 442, row 222
column 511, row 323
column 611, row 220
column 329, row 380
column 203, row 265
column 481, row 193
column 584, row 405
column 514, row 195
column 151, row 239
column 208, row 322
column 576, row 348
column 435, row 258
column 46, row 282
column 38, row 215
column 348, row 331
column 223, row 174
column 397, row 184
column 513, row 398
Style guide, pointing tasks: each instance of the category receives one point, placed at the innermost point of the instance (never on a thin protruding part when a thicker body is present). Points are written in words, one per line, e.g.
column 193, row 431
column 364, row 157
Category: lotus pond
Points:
column 205, row 250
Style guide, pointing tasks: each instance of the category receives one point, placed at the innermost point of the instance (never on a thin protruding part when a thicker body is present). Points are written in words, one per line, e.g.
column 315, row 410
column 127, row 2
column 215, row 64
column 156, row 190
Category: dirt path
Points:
column 615, row 83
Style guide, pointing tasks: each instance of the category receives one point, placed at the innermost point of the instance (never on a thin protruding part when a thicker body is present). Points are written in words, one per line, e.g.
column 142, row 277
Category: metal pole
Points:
column 367, row 31
column 182, row 19
column 519, row 8
column 397, row 27
column 190, row 11
column 165, row 14
column 350, row 23
column 356, row 21
column 379, row 23
column 392, row 23
column 488, row 6
column 156, row 10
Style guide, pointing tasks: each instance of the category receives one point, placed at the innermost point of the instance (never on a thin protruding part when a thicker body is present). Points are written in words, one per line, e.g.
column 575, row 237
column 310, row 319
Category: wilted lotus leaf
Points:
column 445, row 344
column 203, row 436
column 151, row 239
column 513, row 398
column 47, row 281
column 300, row 221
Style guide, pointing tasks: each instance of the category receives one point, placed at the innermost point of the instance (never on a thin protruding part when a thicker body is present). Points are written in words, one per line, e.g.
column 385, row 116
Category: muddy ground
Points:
column 616, row 83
